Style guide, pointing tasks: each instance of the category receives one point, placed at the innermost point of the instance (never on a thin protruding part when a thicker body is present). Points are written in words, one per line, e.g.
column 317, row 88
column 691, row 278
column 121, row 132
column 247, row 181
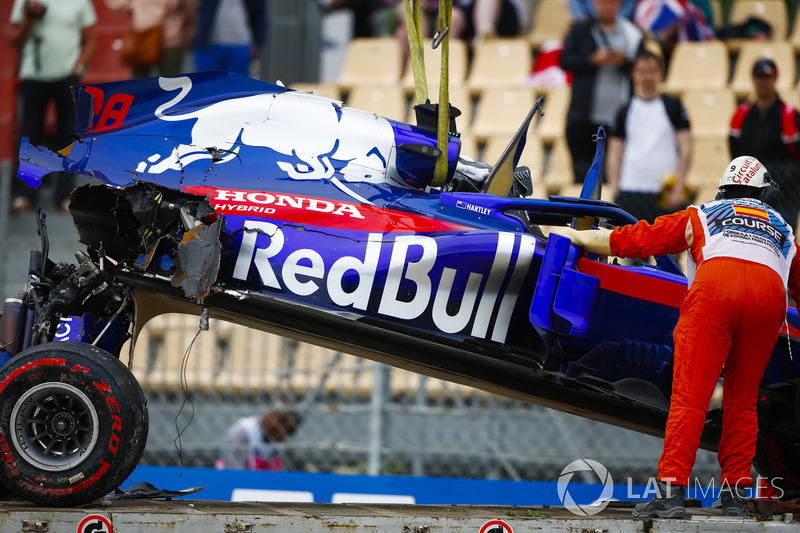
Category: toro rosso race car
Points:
column 231, row 198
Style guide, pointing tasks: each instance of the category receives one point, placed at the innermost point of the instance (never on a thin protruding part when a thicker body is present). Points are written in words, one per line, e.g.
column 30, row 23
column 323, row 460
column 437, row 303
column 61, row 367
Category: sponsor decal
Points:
column 406, row 277
column 312, row 139
column 749, row 211
column 746, row 172
column 748, row 223
column 116, row 420
column 95, row 523
column 313, row 211
column 109, row 114
column 481, row 210
column 8, row 458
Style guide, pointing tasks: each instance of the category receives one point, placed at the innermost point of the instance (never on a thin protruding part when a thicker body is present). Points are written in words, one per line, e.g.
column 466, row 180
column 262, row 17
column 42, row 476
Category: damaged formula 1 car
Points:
column 231, row 198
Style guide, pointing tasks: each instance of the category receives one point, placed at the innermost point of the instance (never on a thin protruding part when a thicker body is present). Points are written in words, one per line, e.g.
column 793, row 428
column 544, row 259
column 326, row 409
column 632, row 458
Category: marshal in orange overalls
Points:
column 745, row 257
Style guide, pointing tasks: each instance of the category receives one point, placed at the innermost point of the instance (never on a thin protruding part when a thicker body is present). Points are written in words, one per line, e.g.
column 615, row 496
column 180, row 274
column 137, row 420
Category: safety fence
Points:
column 358, row 416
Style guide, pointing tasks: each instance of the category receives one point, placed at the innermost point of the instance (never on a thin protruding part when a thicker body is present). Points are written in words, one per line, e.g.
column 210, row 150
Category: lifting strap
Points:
column 414, row 30
column 443, row 127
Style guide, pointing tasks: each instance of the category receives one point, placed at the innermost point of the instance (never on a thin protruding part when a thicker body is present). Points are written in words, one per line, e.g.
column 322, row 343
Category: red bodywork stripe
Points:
column 791, row 332
column 633, row 284
column 321, row 212
column 28, row 366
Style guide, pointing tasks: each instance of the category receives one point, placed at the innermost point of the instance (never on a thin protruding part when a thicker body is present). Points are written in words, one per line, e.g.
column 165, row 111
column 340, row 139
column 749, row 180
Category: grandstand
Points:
column 710, row 77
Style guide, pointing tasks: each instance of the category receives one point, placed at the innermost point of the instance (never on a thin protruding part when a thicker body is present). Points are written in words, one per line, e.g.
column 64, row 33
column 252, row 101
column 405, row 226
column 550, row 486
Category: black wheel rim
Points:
column 55, row 426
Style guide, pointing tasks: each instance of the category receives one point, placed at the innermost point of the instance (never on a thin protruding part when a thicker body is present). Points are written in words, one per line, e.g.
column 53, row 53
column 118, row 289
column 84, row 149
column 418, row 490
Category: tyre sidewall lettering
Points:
column 119, row 431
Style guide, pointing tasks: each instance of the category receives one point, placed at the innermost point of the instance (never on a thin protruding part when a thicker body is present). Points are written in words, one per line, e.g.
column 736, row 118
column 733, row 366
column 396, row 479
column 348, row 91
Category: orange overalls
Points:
column 731, row 316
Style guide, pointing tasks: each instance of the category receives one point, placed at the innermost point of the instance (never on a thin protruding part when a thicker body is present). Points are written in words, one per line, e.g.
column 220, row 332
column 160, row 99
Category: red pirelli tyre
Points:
column 73, row 423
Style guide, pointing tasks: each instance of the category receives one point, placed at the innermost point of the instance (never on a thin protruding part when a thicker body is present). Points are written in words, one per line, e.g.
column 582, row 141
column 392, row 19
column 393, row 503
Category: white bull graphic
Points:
column 320, row 140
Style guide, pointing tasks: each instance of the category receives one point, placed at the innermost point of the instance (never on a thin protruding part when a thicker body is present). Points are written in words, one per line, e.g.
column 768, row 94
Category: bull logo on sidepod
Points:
column 319, row 139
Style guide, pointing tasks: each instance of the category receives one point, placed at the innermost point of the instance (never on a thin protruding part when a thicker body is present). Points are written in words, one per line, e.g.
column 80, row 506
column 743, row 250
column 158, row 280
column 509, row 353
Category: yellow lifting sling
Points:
column 414, row 29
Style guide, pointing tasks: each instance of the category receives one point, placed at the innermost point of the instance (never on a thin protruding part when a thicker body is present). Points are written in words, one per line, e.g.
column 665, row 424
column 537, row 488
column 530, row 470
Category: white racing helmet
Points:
column 745, row 170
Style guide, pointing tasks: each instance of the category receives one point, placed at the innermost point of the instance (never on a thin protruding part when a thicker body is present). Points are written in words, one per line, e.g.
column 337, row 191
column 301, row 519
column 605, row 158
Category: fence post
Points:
column 376, row 413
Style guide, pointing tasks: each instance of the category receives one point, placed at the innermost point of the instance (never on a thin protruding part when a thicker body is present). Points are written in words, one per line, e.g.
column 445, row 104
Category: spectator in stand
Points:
column 56, row 40
column 368, row 15
column 649, row 144
column 769, row 130
column 176, row 18
column 675, row 22
column 487, row 18
column 230, row 33
column 599, row 53
column 249, row 443
column 429, row 20
column 583, row 10
column 471, row 19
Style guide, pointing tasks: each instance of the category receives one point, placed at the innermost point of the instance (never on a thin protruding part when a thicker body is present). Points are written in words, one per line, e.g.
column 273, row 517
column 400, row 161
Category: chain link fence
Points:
column 358, row 416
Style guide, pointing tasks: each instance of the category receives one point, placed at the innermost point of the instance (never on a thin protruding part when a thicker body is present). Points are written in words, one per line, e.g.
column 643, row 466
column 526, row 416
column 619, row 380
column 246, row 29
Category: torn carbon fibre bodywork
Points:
column 143, row 222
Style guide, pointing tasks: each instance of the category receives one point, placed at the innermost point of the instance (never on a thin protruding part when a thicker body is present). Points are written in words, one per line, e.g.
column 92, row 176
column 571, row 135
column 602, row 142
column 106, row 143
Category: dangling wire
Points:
column 203, row 326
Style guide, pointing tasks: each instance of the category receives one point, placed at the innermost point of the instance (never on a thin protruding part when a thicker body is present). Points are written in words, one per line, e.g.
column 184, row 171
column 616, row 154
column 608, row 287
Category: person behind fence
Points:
column 175, row 22
column 769, row 130
column 230, row 34
column 599, row 53
column 249, row 444
column 744, row 258
column 56, row 40
column 649, row 144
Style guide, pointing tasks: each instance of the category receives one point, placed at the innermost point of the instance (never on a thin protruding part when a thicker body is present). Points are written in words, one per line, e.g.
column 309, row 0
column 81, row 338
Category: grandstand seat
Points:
column 500, row 63
column 433, row 60
column 710, row 156
column 403, row 382
column 389, row 102
column 554, row 122
column 500, row 112
column 353, row 376
column 709, row 111
column 310, row 365
column 791, row 97
column 750, row 52
column 717, row 13
column 105, row 65
column 771, row 11
column 326, row 90
column 469, row 147
column 698, row 65
column 551, row 21
column 371, row 61
column 558, row 170
column 253, row 362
